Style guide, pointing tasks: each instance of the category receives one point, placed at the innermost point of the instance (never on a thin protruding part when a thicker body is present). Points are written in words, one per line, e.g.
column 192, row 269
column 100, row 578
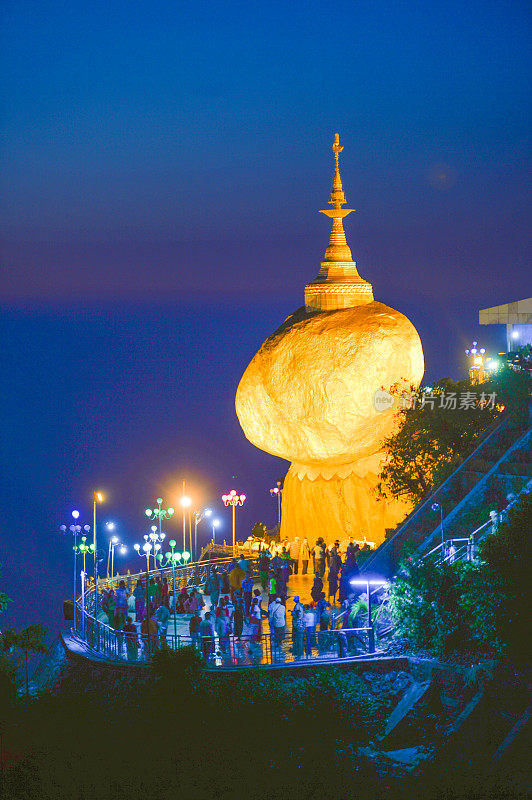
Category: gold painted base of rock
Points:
column 337, row 507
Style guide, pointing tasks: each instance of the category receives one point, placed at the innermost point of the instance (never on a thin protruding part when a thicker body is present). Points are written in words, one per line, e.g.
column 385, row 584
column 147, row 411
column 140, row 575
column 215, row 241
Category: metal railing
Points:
column 186, row 577
column 230, row 650
column 461, row 549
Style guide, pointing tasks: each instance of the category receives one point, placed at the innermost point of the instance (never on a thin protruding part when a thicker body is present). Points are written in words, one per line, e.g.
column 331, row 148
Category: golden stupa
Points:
column 310, row 396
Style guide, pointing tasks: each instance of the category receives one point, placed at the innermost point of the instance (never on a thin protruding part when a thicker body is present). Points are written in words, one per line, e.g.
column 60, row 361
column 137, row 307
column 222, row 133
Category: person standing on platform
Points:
column 298, row 627
column 221, row 626
column 247, row 589
column 255, row 620
column 139, row 593
column 212, row 589
column 206, row 632
column 317, row 588
column 310, row 629
column 333, row 584
column 193, row 627
column 165, row 593
column 295, row 548
column 264, row 568
column 272, row 587
column 162, row 615
column 131, row 640
column 282, row 587
column 286, row 567
column 236, row 576
column 154, row 634
column 277, row 620
column 238, row 619
column 305, row 556
column 121, row 603
column 318, row 556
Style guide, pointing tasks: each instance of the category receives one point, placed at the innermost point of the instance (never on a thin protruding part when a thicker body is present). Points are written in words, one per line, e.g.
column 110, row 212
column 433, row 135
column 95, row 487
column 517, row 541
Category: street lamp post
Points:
column 83, row 575
column 146, row 552
column 85, row 548
column 198, row 517
column 171, row 558
column 123, row 551
column 435, row 507
column 75, row 528
column 215, row 524
column 110, row 527
column 159, row 514
column 97, row 498
column 152, row 541
column 476, row 368
column 233, row 499
column 277, row 492
column 185, row 503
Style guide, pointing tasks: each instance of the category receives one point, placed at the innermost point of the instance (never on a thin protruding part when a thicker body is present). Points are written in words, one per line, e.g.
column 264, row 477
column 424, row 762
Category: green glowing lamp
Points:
column 172, row 542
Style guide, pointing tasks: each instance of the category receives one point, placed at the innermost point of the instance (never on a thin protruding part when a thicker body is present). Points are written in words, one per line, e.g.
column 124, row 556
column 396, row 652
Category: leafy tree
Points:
column 431, row 440
column 512, row 388
column 259, row 530
column 27, row 640
column 4, row 600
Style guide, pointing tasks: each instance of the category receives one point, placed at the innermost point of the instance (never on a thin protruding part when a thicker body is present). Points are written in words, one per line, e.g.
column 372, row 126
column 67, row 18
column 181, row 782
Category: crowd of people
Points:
column 228, row 607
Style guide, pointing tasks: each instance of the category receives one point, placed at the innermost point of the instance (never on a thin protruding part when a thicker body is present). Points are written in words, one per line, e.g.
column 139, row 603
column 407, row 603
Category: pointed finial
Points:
column 337, row 198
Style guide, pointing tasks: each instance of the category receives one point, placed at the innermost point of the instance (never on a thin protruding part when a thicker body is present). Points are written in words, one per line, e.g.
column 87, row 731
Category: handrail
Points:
column 167, row 571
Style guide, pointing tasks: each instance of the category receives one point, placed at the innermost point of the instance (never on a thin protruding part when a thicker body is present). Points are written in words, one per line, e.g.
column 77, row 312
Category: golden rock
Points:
column 309, row 396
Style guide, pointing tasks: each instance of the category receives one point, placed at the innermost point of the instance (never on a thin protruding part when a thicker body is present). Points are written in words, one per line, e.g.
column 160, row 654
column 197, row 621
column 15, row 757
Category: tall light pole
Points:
column 215, row 524
column 85, row 548
column 171, row 558
column 476, row 366
column 156, row 540
column 75, row 528
column 159, row 514
column 198, row 517
column 152, row 542
column 233, row 499
column 146, row 550
column 277, row 492
column 185, row 503
column 123, row 550
column 435, row 507
column 97, row 498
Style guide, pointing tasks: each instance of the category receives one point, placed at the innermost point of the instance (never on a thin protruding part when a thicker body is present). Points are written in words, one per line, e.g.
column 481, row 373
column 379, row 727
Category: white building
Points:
column 518, row 320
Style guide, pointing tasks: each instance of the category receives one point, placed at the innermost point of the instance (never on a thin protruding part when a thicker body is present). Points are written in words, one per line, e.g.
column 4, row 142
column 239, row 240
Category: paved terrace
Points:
column 242, row 651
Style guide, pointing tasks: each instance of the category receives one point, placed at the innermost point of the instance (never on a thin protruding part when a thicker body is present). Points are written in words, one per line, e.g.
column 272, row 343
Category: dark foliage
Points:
column 487, row 602
column 496, row 593
column 432, row 440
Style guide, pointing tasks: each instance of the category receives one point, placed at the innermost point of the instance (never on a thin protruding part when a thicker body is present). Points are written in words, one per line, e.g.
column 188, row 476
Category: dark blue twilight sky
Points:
column 162, row 166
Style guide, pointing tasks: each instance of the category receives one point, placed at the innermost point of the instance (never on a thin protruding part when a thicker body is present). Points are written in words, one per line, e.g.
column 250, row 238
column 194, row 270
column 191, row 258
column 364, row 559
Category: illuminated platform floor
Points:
column 298, row 585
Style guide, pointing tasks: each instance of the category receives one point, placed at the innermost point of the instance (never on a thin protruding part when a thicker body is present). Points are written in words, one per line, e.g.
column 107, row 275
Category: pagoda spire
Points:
column 338, row 284
column 338, row 249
